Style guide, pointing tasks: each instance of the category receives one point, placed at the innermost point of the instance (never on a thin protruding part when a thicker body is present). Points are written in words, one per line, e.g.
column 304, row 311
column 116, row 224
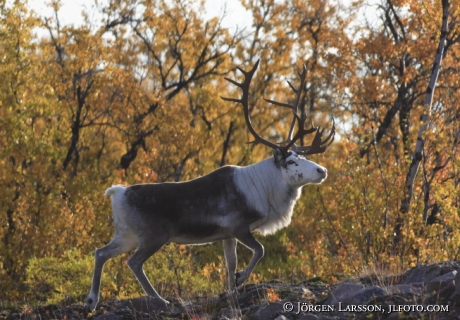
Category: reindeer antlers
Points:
column 318, row 145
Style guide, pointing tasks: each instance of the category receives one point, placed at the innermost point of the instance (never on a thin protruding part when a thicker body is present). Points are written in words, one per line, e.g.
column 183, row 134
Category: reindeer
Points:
column 226, row 205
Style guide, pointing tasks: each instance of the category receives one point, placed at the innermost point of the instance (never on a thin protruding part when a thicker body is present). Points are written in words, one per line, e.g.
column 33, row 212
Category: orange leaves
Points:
column 145, row 86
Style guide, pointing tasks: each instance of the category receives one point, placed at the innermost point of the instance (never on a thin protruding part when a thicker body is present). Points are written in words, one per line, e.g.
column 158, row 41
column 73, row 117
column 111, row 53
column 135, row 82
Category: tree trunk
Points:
column 424, row 120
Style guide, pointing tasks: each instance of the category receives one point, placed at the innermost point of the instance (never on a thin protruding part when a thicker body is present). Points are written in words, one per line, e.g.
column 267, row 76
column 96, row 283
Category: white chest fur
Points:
column 268, row 193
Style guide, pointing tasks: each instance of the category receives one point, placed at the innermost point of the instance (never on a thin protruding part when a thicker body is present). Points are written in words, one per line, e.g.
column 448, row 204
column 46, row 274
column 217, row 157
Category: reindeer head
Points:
column 295, row 169
column 298, row 171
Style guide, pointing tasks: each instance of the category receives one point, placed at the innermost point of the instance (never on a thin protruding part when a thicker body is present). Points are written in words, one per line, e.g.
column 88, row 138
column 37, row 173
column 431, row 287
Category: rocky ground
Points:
column 424, row 292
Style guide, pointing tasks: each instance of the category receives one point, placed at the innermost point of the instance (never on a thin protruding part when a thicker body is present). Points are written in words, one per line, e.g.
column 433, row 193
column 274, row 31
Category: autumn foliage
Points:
column 133, row 96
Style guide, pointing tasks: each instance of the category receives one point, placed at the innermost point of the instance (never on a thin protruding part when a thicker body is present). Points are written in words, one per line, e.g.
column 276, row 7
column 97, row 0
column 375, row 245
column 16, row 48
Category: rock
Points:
column 143, row 304
column 343, row 292
column 457, row 282
column 454, row 299
column 308, row 317
column 414, row 288
column 442, row 286
column 270, row 311
column 425, row 273
column 107, row 316
column 393, row 316
column 436, row 284
column 364, row 296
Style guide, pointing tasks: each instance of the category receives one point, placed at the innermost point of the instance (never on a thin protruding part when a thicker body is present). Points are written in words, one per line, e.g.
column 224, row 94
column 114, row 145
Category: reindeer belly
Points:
column 199, row 234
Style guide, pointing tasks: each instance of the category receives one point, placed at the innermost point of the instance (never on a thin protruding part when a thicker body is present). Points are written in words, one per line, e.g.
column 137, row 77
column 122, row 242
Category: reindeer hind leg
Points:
column 121, row 243
column 145, row 250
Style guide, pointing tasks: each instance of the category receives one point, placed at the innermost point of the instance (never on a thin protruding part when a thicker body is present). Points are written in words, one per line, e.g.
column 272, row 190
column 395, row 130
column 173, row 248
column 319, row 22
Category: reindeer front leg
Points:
column 257, row 248
column 231, row 261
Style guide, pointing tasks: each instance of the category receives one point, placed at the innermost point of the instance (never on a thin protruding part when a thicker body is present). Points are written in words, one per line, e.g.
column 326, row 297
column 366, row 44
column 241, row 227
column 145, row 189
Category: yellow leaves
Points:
column 157, row 81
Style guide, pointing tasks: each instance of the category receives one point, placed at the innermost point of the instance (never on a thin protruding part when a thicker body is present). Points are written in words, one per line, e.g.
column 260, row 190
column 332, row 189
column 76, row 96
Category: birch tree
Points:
column 418, row 154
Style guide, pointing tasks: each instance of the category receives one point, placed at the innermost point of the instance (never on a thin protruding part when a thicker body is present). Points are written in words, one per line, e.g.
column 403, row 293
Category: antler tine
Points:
column 233, row 82
column 300, row 133
column 292, row 86
column 280, row 104
column 318, row 145
column 295, row 109
column 298, row 92
column 244, row 100
column 298, row 118
column 299, row 100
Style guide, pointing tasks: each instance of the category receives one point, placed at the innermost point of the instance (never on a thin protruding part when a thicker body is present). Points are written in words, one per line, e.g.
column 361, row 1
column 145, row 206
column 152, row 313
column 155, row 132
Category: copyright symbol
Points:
column 288, row 306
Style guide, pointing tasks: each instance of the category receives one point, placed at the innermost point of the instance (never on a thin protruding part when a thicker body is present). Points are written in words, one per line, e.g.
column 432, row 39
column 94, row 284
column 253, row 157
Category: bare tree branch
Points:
column 424, row 121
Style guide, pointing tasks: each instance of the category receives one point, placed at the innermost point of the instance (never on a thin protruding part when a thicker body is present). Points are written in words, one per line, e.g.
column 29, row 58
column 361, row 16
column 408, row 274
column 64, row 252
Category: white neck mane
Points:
column 267, row 192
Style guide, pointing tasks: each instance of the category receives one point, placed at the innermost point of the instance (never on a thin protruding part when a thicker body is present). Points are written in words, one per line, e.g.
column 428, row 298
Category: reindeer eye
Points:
column 291, row 162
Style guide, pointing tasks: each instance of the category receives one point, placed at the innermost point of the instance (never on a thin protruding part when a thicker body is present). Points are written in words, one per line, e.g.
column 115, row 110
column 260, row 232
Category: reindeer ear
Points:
column 280, row 160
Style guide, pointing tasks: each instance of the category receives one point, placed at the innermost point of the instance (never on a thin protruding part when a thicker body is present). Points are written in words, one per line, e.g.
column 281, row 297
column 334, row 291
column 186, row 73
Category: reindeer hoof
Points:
column 239, row 279
column 90, row 305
